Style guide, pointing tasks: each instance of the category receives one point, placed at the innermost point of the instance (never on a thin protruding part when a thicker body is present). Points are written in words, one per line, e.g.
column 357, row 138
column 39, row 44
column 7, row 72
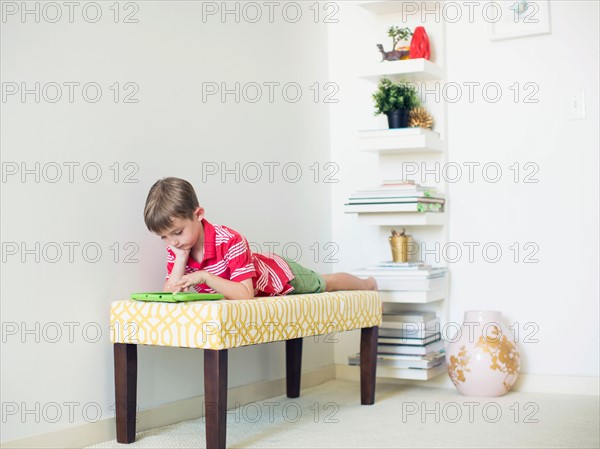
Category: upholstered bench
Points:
column 217, row 326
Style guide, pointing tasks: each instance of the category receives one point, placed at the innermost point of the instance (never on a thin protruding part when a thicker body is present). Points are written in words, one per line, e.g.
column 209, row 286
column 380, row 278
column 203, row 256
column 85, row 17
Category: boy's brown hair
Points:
column 169, row 198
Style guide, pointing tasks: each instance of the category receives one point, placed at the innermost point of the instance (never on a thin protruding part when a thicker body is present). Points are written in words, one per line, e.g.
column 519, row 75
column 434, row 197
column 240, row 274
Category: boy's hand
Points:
column 180, row 252
column 197, row 277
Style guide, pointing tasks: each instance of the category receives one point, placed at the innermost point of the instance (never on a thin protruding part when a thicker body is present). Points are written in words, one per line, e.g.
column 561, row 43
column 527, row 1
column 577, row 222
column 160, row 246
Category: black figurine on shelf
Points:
column 394, row 55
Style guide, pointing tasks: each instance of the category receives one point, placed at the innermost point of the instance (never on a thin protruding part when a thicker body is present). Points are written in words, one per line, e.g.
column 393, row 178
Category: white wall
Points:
column 169, row 53
column 559, row 214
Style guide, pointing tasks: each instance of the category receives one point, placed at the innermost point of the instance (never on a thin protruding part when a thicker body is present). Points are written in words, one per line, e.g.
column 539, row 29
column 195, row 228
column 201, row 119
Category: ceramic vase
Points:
column 483, row 359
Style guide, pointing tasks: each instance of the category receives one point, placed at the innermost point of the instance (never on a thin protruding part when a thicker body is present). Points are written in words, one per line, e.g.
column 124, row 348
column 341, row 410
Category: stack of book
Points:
column 406, row 276
column 411, row 343
column 396, row 196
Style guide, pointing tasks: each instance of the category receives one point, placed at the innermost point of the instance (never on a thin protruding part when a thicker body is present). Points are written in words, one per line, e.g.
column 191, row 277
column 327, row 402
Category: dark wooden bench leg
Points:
column 125, row 391
column 368, row 364
column 215, row 397
column 293, row 366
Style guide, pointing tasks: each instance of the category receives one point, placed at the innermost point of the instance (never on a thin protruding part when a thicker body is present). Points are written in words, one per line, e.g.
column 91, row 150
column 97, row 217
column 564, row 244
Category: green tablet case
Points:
column 176, row 297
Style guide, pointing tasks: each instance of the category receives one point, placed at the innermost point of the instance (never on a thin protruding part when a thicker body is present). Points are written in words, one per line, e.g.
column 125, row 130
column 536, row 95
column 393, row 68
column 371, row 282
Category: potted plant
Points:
column 395, row 100
column 398, row 35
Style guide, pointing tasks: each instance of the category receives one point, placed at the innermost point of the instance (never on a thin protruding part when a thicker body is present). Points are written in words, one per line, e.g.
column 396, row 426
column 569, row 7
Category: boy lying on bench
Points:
column 216, row 259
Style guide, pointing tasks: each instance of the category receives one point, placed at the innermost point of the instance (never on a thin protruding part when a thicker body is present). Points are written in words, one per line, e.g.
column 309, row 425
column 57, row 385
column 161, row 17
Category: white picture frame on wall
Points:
column 519, row 18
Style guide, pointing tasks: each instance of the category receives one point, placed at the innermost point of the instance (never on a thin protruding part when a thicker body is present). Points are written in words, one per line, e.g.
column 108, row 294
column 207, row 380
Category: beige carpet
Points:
column 330, row 416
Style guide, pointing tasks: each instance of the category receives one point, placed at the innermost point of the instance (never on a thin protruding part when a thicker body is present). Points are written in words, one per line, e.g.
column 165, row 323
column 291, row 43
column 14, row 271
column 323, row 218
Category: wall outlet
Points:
column 576, row 105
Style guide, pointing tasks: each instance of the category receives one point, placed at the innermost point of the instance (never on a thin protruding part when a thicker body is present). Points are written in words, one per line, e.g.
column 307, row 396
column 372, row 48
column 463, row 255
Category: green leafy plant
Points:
column 399, row 34
column 394, row 96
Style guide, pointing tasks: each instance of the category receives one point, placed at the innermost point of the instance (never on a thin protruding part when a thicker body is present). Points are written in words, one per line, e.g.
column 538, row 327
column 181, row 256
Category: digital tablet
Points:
column 176, row 297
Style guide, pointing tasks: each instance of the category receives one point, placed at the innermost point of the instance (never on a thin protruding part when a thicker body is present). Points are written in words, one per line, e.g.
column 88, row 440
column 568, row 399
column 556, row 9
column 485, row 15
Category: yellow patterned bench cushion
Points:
column 232, row 323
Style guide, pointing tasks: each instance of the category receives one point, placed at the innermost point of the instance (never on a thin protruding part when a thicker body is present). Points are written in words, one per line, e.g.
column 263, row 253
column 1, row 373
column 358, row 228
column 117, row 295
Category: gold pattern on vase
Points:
column 458, row 366
column 483, row 359
column 504, row 354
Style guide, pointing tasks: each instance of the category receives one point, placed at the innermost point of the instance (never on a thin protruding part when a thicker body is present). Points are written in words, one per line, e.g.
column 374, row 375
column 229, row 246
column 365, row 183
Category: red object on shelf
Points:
column 419, row 45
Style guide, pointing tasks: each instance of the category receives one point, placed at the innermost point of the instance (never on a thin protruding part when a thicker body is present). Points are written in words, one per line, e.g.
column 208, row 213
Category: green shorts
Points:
column 305, row 280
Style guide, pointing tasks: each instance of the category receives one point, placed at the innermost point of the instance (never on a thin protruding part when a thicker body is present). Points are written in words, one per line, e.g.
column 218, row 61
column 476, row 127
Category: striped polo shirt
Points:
column 228, row 255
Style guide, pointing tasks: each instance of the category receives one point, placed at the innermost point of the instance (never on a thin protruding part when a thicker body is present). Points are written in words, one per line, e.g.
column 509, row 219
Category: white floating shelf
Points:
column 399, row 141
column 409, row 70
column 416, row 297
column 415, row 374
column 402, row 218
column 395, row 6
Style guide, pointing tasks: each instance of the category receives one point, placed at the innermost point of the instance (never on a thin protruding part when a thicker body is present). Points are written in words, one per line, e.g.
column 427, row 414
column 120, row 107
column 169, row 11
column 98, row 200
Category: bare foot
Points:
column 372, row 284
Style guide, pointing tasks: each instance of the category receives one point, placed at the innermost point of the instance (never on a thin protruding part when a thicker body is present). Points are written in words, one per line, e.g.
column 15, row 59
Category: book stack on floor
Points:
column 411, row 344
column 407, row 281
column 396, row 196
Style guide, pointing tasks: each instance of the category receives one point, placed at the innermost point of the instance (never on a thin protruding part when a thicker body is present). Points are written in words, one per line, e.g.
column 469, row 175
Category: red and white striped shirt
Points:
column 228, row 255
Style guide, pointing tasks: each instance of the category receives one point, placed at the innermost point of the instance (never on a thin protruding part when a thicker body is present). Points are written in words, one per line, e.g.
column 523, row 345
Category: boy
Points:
column 214, row 258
